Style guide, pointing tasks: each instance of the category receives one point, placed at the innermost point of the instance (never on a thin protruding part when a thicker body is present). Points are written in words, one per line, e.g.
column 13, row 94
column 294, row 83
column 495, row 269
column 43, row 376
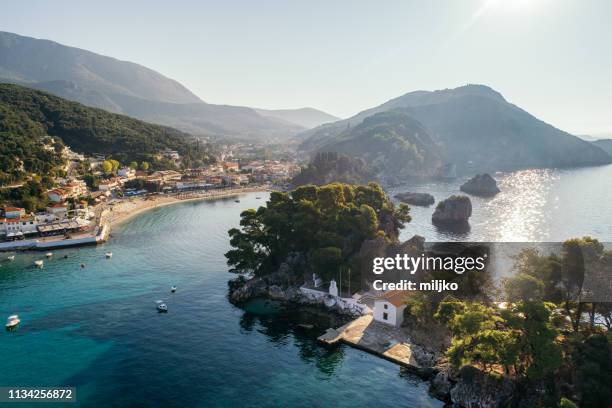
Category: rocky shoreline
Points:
column 467, row 387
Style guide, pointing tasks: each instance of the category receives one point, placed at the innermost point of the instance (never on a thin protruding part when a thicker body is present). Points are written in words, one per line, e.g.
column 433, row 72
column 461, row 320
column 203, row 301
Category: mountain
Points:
column 305, row 117
column 604, row 144
column 476, row 129
column 131, row 89
column 26, row 59
column 28, row 117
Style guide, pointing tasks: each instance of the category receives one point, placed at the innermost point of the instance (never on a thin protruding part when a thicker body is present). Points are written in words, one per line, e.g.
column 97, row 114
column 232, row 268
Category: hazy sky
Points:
column 551, row 57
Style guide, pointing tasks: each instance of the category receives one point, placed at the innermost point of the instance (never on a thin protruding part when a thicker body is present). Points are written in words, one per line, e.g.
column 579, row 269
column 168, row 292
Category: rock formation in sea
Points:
column 452, row 211
column 421, row 199
column 481, row 185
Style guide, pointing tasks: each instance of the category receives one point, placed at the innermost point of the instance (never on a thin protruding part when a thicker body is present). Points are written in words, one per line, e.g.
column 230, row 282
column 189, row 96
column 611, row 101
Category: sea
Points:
column 96, row 327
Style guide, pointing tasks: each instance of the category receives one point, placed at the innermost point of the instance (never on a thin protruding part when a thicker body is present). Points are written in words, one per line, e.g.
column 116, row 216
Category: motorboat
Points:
column 161, row 306
column 49, row 254
column 39, row 263
column 11, row 258
column 173, row 289
column 12, row 322
column 258, row 198
column 236, row 201
column 82, row 265
column 109, row 255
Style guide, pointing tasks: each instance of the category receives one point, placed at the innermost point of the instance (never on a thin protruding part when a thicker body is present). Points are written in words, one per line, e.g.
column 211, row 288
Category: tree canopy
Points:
column 326, row 225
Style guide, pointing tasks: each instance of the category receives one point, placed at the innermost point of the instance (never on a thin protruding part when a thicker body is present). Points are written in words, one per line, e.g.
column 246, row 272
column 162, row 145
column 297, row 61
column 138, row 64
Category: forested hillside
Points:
column 27, row 116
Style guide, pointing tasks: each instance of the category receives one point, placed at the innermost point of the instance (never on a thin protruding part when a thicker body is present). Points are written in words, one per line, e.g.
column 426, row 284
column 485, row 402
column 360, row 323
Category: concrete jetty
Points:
column 374, row 337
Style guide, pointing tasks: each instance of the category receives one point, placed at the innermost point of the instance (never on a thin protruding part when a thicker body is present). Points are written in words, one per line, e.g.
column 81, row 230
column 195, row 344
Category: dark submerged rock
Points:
column 422, row 199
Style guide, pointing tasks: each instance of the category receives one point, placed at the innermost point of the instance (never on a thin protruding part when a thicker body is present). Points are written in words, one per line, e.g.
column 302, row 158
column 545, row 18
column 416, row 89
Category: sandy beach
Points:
column 127, row 208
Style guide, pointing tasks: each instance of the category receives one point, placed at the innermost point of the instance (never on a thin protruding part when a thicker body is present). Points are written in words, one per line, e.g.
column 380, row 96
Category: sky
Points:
column 553, row 58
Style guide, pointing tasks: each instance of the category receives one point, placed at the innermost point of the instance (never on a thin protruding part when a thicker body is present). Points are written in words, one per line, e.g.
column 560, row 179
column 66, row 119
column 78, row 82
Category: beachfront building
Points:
column 109, row 185
column 12, row 212
column 389, row 307
column 15, row 224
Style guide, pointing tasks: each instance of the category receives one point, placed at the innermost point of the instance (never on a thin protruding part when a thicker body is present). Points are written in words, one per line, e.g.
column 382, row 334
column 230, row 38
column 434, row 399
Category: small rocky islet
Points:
column 456, row 209
column 481, row 185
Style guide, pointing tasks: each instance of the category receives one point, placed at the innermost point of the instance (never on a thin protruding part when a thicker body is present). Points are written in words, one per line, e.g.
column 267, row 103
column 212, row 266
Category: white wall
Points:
column 395, row 315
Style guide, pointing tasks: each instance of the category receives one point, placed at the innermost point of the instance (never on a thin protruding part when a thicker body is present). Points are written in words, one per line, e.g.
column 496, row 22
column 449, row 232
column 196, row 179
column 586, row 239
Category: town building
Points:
column 57, row 195
column 127, row 172
column 59, row 210
column 109, row 185
column 12, row 212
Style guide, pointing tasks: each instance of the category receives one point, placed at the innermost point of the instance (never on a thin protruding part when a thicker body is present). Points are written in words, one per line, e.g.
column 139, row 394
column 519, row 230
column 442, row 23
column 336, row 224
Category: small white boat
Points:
column 12, row 322
column 161, row 306
column 49, row 254
column 39, row 263
column 173, row 289
column 11, row 258
column 109, row 255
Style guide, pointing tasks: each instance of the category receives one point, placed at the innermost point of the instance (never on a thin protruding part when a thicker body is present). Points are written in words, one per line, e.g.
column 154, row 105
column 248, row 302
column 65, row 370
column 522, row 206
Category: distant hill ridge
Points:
column 604, row 144
column 474, row 127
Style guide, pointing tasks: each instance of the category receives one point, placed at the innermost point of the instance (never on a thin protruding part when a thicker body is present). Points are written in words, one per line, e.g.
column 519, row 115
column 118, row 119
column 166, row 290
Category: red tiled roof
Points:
column 395, row 297
column 11, row 209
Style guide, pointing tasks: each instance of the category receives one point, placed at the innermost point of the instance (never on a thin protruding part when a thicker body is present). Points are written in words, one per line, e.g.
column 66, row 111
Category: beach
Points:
column 120, row 211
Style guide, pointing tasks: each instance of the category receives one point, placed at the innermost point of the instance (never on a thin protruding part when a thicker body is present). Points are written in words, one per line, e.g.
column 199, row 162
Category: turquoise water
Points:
column 96, row 328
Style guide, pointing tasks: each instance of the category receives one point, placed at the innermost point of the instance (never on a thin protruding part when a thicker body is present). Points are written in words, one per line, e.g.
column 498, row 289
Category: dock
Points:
column 98, row 236
column 374, row 337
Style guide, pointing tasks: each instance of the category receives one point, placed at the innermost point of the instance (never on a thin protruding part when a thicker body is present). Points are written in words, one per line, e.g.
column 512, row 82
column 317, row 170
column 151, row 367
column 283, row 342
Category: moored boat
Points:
column 161, row 306
column 173, row 289
column 49, row 254
column 11, row 258
column 39, row 263
column 109, row 255
column 12, row 322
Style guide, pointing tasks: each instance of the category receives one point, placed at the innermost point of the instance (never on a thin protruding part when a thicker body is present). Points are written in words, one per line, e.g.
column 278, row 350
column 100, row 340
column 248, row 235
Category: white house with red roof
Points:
column 389, row 307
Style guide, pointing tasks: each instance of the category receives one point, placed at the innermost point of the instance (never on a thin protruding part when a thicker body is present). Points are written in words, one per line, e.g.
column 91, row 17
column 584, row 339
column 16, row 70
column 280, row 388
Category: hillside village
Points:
column 90, row 184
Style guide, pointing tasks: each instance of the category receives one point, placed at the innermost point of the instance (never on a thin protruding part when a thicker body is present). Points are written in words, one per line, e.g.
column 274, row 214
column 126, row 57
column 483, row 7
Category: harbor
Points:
column 112, row 213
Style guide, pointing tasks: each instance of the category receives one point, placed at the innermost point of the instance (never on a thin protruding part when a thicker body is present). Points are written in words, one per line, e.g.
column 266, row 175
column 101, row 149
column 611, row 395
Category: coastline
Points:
column 128, row 208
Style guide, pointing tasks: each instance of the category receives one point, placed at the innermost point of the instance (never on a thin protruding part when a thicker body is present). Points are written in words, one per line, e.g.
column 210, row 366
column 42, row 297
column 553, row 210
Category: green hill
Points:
column 27, row 116
column 393, row 144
